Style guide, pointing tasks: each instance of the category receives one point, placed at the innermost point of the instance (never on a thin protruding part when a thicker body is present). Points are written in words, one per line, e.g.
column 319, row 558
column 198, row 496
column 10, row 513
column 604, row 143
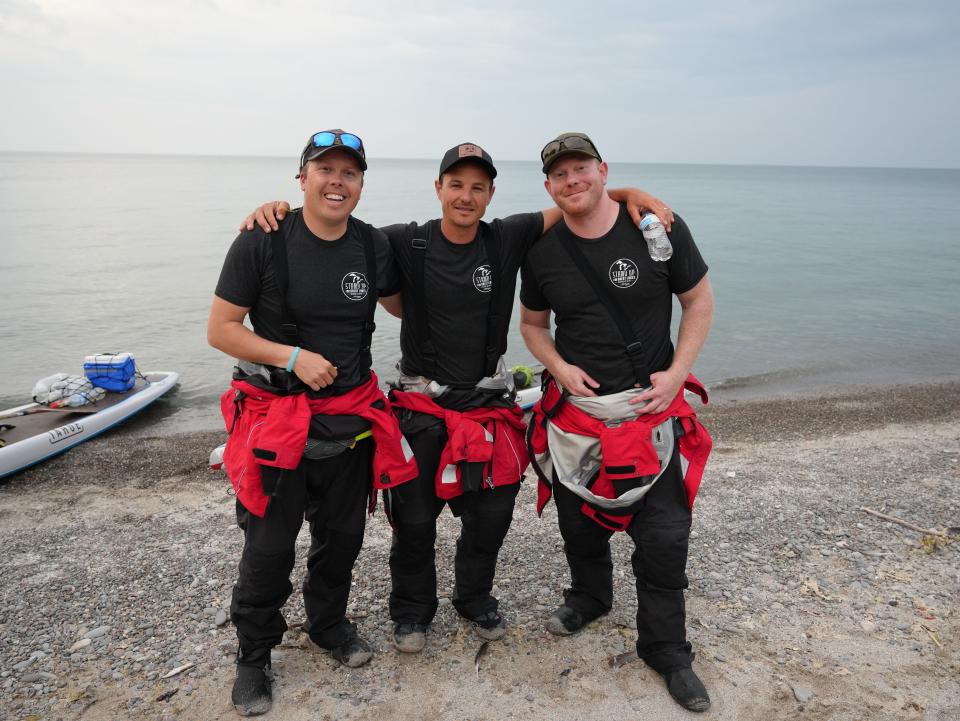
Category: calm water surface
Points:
column 824, row 277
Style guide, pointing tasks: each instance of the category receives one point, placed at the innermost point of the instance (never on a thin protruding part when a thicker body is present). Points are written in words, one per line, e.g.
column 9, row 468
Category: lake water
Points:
column 823, row 277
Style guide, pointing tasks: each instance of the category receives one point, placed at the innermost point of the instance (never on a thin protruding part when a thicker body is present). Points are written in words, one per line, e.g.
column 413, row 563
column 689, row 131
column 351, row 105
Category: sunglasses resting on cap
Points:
column 327, row 140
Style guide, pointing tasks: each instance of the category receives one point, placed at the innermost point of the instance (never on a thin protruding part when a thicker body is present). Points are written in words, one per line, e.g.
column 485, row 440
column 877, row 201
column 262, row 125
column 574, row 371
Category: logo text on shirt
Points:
column 355, row 286
column 483, row 279
column 623, row 273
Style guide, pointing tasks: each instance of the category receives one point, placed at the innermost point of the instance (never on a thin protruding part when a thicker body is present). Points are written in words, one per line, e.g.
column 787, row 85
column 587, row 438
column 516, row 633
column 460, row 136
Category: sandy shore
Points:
column 118, row 560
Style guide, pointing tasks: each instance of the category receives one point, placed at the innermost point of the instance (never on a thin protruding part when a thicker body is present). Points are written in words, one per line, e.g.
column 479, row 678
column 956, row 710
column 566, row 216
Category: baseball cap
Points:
column 336, row 139
column 468, row 151
column 568, row 144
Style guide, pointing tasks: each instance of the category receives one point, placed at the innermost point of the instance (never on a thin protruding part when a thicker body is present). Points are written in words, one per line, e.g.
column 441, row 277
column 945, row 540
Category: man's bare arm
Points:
column 226, row 332
column 638, row 202
column 696, row 316
column 535, row 329
column 393, row 304
column 267, row 216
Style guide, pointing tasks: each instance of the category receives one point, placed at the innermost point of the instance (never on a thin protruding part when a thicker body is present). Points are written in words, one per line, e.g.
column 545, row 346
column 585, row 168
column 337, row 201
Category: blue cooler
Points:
column 112, row 371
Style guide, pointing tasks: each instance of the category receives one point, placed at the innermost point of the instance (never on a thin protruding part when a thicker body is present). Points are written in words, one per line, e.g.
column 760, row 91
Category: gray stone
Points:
column 98, row 632
column 803, row 694
column 221, row 618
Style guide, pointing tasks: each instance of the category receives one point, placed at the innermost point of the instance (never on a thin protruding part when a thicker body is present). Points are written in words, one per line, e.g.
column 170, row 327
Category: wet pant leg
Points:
column 485, row 516
column 661, row 533
column 587, row 547
column 414, row 508
column 263, row 583
column 336, row 504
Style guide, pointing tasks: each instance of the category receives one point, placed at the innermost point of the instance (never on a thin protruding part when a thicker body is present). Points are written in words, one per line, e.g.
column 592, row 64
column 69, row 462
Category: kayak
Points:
column 526, row 399
column 33, row 433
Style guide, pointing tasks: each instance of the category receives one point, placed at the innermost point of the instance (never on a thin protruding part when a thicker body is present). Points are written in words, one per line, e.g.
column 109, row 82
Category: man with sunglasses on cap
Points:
column 302, row 409
column 454, row 396
column 613, row 439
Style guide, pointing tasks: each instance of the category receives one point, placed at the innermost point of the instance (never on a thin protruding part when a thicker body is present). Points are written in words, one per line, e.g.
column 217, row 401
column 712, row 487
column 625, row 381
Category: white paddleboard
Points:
column 35, row 437
column 526, row 399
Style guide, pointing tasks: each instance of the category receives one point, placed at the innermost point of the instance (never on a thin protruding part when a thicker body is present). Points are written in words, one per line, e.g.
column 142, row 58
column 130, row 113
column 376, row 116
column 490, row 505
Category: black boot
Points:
column 252, row 695
column 687, row 689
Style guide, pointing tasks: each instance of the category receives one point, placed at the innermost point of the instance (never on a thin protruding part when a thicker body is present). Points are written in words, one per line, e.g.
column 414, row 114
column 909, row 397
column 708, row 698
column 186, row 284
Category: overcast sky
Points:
column 817, row 82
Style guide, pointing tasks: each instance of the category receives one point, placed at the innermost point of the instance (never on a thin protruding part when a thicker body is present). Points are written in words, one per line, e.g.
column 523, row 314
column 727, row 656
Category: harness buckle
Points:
column 635, row 348
column 419, row 243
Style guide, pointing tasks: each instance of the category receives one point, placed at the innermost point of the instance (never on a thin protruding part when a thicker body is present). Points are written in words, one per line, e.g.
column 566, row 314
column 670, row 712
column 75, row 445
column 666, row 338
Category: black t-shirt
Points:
column 586, row 335
column 457, row 293
column 328, row 292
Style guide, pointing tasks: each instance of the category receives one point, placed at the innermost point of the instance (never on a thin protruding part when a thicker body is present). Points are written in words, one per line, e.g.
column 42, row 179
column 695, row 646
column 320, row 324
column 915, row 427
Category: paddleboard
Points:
column 526, row 399
column 32, row 437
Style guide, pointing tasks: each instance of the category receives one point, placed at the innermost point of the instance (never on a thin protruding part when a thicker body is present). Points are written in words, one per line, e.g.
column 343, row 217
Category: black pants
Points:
column 332, row 495
column 485, row 516
column 660, row 533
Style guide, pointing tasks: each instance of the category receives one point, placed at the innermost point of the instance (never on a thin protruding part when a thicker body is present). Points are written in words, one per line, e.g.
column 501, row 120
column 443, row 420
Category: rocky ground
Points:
column 117, row 561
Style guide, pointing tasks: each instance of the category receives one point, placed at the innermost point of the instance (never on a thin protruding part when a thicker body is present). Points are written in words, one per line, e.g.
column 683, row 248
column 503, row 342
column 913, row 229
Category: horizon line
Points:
column 507, row 160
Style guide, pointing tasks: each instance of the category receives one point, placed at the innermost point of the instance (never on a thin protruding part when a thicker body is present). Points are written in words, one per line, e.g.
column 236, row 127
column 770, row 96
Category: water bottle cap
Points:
column 647, row 220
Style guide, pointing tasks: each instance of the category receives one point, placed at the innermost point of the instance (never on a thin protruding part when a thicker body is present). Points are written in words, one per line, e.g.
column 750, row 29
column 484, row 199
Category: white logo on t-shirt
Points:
column 354, row 286
column 483, row 279
column 623, row 273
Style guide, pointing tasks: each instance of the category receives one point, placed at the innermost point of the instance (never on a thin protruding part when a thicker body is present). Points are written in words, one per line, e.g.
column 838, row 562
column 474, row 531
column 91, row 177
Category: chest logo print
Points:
column 623, row 273
column 483, row 279
column 355, row 286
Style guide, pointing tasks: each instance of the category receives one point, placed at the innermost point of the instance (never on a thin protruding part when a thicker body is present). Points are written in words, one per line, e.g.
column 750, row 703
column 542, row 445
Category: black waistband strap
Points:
column 632, row 344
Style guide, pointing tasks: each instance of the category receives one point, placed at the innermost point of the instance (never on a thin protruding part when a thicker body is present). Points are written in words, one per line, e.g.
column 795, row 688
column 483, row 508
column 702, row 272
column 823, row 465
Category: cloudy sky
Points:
column 817, row 82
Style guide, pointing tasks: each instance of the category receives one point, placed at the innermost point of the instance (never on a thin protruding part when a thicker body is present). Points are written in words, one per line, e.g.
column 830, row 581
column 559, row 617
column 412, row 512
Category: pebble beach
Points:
column 118, row 560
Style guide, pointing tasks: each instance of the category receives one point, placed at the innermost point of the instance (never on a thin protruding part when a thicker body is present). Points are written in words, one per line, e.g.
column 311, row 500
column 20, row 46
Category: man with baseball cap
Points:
column 311, row 433
column 458, row 280
column 614, row 440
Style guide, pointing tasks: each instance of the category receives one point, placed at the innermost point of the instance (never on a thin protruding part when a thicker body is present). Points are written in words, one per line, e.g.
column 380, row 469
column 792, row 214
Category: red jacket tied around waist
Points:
column 492, row 436
column 625, row 449
column 276, row 426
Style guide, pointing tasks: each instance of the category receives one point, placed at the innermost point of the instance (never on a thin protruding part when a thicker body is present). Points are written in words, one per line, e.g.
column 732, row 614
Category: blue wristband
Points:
column 293, row 359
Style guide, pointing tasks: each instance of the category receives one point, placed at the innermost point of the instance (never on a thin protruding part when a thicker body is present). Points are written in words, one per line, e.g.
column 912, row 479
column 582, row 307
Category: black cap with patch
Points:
column 468, row 152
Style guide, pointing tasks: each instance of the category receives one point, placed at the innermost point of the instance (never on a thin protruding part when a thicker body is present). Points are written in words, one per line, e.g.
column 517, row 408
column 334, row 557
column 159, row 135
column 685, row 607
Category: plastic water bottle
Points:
column 658, row 244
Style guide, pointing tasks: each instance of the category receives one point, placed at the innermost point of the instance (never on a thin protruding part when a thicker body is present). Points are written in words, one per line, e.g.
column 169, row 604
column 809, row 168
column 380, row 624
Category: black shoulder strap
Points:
column 420, row 319
column 365, row 232
column 281, row 271
column 497, row 311
column 493, row 345
column 632, row 344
